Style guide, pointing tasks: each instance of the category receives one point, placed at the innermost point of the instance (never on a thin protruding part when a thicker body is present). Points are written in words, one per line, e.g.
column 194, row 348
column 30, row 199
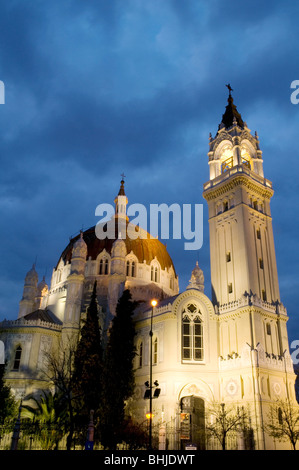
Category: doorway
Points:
column 192, row 422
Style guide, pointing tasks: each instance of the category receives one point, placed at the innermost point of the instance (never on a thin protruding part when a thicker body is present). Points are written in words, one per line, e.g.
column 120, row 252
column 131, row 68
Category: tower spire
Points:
column 231, row 113
column 121, row 191
column 121, row 201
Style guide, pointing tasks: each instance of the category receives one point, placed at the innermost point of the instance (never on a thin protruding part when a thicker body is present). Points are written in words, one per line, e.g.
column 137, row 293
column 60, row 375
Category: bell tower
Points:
column 241, row 236
column 255, row 365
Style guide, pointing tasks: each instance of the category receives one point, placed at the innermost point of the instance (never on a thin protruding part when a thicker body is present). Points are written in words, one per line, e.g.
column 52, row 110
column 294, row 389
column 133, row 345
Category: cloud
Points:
column 97, row 88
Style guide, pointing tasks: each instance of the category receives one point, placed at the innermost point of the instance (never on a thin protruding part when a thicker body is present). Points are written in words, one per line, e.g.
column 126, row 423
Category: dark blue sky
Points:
column 97, row 88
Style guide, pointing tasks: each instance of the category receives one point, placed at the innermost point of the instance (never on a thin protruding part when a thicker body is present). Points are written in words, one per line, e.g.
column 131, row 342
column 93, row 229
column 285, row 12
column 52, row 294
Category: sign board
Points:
column 185, row 425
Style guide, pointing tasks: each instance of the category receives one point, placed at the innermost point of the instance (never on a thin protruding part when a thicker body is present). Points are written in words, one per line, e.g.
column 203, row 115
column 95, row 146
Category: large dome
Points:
column 145, row 249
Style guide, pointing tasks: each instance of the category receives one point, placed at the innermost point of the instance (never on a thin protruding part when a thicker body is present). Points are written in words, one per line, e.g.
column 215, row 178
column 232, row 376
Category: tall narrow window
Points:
column 279, row 416
column 186, row 338
column 258, row 234
column 128, row 268
column 106, row 266
column 264, row 295
column 156, row 274
column 17, row 360
column 228, row 257
column 140, row 351
column 261, row 262
column 198, row 340
column 230, row 288
column 155, row 351
column 225, row 206
column 101, row 267
column 152, row 273
column 133, row 269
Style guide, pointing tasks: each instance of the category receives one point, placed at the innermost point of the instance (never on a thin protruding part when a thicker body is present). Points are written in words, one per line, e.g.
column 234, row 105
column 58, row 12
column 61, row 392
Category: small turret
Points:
column 197, row 279
column 79, row 256
column 27, row 302
column 75, row 283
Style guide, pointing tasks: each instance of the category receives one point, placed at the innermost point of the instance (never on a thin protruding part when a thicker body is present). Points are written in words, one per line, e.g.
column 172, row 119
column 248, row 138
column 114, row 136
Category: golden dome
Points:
column 145, row 249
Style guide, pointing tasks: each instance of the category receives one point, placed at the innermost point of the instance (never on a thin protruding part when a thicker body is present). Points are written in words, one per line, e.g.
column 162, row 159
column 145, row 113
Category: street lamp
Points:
column 153, row 304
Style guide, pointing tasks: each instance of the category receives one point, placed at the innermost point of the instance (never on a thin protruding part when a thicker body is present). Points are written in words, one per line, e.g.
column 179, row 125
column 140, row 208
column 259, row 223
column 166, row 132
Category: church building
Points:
column 231, row 348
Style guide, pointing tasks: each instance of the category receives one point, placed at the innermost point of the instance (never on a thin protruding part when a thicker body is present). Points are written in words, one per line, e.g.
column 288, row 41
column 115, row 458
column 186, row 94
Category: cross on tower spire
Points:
column 229, row 88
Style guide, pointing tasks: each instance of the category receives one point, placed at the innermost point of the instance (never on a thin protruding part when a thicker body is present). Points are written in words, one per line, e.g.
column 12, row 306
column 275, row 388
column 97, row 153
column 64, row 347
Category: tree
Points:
column 60, row 365
column 134, row 435
column 47, row 412
column 87, row 377
column 225, row 420
column 118, row 371
column 8, row 405
column 283, row 422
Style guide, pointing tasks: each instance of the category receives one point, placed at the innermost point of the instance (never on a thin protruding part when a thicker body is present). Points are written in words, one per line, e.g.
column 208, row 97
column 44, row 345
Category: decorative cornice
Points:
column 249, row 302
column 21, row 323
column 214, row 189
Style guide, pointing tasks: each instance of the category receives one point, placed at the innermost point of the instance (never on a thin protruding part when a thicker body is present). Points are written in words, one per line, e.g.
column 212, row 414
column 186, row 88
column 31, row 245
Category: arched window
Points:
column 227, row 159
column 155, row 272
column 104, row 266
column 245, row 158
column 17, row 359
column 192, row 334
column 131, row 268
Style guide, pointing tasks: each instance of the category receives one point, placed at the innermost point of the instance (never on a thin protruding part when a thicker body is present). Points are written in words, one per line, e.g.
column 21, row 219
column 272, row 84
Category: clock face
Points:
column 232, row 387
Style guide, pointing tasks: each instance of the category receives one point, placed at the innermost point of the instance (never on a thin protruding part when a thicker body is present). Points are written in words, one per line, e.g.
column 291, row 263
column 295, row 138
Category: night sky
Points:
column 97, row 88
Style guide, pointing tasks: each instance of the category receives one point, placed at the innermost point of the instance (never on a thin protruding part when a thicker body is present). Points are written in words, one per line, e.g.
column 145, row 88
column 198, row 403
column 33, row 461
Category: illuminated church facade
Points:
column 230, row 349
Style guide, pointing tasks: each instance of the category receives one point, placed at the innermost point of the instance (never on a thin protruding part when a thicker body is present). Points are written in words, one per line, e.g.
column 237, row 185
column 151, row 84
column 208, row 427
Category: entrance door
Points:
column 192, row 422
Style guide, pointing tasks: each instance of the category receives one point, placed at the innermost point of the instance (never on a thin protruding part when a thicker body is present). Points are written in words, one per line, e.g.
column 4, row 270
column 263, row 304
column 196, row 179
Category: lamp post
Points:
column 153, row 304
column 256, row 384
